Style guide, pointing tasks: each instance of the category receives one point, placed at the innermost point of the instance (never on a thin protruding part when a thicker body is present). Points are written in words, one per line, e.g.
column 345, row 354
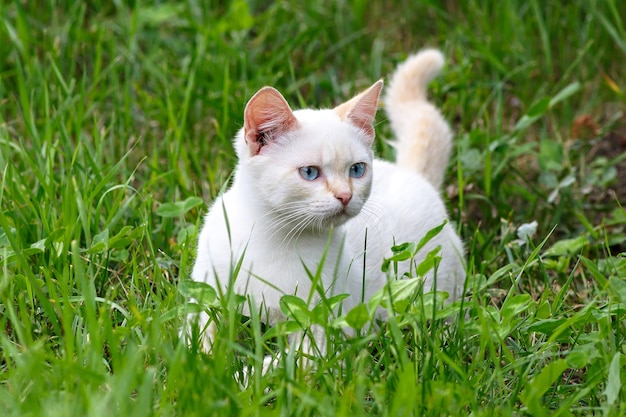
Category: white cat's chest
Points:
column 271, row 266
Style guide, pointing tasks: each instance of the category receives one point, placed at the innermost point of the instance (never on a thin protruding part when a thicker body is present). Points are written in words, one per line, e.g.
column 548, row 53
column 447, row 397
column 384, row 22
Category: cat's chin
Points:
column 339, row 219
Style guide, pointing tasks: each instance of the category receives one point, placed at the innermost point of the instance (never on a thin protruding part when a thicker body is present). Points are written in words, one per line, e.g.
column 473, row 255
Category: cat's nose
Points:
column 344, row 197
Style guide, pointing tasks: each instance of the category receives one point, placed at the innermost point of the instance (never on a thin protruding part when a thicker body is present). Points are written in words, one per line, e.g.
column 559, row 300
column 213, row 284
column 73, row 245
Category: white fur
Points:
column 283, row 221
column 424, row 139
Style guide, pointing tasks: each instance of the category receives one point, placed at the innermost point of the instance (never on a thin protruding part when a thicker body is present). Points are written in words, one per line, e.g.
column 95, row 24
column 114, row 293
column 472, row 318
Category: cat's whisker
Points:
column 372, row 213
column 296, row 221
column 295, row 217
column 296, row 231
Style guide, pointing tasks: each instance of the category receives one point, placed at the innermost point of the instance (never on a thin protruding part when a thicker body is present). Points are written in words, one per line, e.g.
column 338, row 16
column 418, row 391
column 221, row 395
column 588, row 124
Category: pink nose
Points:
column 344, row 197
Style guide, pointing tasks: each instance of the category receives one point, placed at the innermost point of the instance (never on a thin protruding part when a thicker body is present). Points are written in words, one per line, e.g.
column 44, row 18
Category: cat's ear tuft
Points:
column 361, row 109
column 267, row 115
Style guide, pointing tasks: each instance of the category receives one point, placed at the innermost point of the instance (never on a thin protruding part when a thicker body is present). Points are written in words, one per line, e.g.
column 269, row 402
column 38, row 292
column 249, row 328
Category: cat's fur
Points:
column 279, row 222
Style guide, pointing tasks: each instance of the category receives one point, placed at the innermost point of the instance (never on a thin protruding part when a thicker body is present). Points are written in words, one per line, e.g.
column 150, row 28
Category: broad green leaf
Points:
column 98, row 248
column 170, row 210
column 335, row 300
column 191, row 202
column 180, row 311
column 580, row 317
column 401, row 253
column 178, row 208
column 99, row 242
column 430, row 235
column 186, row 234
column 296, row 308
column 515, row 305
column 406, row 251
column 40, row 244
column 618, row 287
column 282, row 328
column 4, row 240
column 546, row 326
column 125, row 237
column 613, row 266
column 567, row 247
column 472, row 160
column 614, row 382
column 163, row 14
column 539, row 385
column 238, row 17
column 550, row 155
column 399, row 292
column 429, row 262
column 358, row 316
column 405, row 289
column 119, row 255
column 582, row 355
column 202, row 292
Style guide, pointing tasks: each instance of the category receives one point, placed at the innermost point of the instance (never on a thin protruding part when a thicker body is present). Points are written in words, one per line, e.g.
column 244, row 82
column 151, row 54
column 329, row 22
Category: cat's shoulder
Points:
column 388, row 171
column 390, row 178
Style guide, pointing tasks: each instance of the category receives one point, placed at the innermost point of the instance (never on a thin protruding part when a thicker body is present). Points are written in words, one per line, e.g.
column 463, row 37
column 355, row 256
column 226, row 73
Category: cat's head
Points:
column 309, row 169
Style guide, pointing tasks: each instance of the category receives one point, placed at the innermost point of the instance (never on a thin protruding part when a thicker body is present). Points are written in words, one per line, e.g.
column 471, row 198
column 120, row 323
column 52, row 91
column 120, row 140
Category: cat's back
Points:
column 405, row 191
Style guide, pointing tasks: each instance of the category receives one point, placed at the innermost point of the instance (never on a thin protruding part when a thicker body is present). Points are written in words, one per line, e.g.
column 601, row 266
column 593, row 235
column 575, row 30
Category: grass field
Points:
column 115, row 127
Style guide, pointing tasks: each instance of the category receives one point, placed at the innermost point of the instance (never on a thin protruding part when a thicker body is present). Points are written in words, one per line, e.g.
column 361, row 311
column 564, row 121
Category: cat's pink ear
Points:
column 361, row 110
column 267, row 116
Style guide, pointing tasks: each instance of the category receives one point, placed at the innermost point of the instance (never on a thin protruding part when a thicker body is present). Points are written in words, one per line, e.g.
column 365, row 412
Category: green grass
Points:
column 115, row 118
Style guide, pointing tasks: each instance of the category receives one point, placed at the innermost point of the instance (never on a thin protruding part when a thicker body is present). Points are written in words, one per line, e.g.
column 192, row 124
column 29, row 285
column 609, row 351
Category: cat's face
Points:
column 320, row 176
column 312, row 168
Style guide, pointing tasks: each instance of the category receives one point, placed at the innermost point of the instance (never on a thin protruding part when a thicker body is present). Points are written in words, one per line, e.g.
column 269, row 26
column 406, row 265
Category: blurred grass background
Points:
column 116, row 116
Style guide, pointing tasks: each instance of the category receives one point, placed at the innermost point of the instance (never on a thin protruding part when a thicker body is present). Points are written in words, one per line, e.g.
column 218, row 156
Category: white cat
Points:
column 307, row 185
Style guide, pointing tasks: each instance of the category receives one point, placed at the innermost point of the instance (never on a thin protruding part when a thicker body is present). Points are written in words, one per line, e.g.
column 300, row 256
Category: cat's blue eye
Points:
column 309, row 173
column 357, row 170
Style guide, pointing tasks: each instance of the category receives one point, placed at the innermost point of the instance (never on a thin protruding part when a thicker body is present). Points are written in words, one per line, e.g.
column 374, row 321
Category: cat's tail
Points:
column 423, row 137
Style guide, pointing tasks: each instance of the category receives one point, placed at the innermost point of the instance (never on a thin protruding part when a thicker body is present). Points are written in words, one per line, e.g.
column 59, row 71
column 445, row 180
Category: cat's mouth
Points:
column 340, row 217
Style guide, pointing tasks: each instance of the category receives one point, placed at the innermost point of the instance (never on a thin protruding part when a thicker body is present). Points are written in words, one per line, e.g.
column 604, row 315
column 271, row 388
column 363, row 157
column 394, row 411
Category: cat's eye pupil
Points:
column 357, row 170
column 309, row 173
